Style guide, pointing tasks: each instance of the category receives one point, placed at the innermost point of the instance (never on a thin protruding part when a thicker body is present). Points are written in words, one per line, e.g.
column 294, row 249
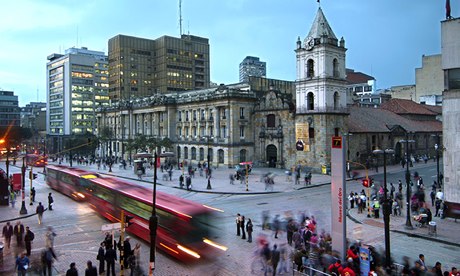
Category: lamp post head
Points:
column 436, row 146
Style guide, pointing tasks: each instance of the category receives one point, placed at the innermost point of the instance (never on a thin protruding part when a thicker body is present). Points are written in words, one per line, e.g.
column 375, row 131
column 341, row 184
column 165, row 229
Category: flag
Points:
column 447, row 9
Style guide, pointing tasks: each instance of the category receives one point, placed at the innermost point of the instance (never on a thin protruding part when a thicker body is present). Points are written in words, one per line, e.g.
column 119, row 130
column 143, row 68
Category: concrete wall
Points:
column 429, row 79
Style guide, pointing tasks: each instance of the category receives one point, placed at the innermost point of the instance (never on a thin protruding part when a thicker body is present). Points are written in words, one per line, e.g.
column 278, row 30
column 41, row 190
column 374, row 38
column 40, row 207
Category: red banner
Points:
column 17, row 181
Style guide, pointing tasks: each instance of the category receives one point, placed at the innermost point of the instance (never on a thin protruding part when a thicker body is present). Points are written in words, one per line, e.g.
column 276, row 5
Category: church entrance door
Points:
column 272, row 157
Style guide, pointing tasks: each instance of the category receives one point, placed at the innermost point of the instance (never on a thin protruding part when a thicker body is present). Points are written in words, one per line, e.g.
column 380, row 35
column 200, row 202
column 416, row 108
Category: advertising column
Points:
column 338, row 193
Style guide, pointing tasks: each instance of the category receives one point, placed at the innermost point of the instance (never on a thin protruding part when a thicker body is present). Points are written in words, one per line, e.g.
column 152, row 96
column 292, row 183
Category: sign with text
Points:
column 302, row 137
column 336, row 142
column 338, row 198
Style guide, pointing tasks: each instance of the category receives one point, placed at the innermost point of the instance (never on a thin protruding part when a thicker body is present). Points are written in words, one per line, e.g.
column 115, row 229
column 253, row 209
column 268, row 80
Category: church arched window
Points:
column 271, row 120
column 335, row 66
column 310, row 68
column 336, row 100
column 310, row 101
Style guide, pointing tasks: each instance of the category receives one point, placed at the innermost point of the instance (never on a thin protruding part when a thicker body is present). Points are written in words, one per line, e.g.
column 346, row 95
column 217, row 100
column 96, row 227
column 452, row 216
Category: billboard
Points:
column 302, row 137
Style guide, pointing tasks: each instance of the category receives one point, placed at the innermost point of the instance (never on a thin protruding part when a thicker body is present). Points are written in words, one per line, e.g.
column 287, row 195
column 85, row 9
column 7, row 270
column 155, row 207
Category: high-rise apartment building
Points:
column 252, row 66
column 140, row 67
column 77, row 83
column 9, row 109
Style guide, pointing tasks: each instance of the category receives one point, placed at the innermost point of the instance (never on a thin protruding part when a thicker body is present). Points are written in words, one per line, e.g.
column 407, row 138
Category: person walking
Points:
column 49, row 239
column 100, row 258
column 72, row 271
column 238, row 223
column 47, row 261
column 32, row 194
column 110, row 258
column 28, row 238
column 40, row 210
column 90, row 269
column 19, row 233
column 275, row 258
column 50, row 202
column 22, row 264
column 7, row 233
column 249, row 229
column 181, row 181
column 243, row 236
column 276, row 225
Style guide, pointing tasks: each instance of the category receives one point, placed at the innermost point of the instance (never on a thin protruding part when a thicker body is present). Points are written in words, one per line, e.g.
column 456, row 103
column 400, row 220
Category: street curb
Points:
column 414, row 235
column 20, row 217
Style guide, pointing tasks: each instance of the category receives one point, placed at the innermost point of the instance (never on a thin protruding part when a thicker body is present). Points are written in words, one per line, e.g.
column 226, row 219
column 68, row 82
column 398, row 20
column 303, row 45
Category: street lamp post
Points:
column 408, row 188
column 436, row 147
column 153, row 220
column 386, row 207
column 23, row 210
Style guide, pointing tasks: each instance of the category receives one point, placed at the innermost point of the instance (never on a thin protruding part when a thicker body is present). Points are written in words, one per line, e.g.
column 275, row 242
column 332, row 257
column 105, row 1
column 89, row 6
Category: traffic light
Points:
column 128, row 221
column 366, row 183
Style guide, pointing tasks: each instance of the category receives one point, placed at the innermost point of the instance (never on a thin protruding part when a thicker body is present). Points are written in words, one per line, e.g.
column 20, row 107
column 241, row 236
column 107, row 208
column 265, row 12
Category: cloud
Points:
column 23, row 15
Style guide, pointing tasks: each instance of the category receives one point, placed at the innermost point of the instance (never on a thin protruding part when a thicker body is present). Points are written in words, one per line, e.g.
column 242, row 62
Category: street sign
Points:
column 336, row 142
column 110, row 227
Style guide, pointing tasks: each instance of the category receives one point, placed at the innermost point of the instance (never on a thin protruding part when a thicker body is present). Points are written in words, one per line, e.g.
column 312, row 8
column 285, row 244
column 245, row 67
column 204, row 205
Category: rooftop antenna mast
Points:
column 180, row 17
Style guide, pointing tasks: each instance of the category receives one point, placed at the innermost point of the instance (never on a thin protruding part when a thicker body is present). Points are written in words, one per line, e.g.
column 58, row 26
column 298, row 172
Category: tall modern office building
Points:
column 9, row 109
column 140, row 67
column 252, row 66
column 77, row 83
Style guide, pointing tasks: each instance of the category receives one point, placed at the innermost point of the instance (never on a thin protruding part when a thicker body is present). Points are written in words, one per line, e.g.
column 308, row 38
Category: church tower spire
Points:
column 320, row 90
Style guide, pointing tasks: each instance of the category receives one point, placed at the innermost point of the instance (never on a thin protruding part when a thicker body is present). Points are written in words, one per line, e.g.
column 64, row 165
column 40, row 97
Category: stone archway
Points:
column 272, row 155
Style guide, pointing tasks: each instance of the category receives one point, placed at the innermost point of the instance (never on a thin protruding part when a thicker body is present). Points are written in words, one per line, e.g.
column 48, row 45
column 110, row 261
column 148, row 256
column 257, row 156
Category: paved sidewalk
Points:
column 220, row 183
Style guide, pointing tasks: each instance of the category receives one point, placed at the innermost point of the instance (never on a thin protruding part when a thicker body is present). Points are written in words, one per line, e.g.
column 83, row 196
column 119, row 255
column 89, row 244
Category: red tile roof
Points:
column 435, row 108
column 400, row 106
column 357, row 77
column 365, row 120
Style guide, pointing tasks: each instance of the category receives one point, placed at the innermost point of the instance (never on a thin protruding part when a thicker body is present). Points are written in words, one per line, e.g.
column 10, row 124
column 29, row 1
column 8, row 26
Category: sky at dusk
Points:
column 385, row 38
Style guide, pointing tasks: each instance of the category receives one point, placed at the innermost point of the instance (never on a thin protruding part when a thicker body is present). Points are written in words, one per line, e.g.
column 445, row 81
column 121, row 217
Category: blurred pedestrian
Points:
column 181, row 181
column 50, row 202
column 19, row 233
column 242, row 225
column 90, row 269
column 137, row 259
column 100, row 258
column 28, row 238
column 276, row 225
column 7, row 233
column 47, row 261
column 72, row 271
column 40, row 210
column 249, row 229
column 437, row 269
column 22, row 264
column 49, row 239
column 275, row 258
column 32, row 194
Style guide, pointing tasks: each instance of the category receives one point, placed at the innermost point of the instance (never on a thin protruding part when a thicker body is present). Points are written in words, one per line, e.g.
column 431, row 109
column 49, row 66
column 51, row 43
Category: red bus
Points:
column 186, row 229
column 36, row 160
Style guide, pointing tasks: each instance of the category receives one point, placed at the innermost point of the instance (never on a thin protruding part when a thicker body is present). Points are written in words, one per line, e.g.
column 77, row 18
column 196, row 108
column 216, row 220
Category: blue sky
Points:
column 385, row 38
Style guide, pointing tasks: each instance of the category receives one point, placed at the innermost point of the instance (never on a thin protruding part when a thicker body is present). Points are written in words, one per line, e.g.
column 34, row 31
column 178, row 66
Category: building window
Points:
column 194, row 115
column 223, row 114
column 211, row 131
column 241, row 112
column 310, row 68
column 180, row 116
column 271, row 120
column 220, row 156
column 336, row 100
column 193, row 153
column 194, row 131
column 202, row 115
column 241, row 131
column 185, row 152
column 224, row 131
column 243, row 155
column 178, row 153
column 336, row 131
column 201, row 154
column 374, row 139
column 310, row 101
column 367, row 88
column 186, row 116
column 335, row 65
column 311, row 132
column 210, row 155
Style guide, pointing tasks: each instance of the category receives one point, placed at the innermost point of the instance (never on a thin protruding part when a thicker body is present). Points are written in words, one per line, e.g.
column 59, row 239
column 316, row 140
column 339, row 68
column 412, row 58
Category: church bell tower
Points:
column 321, row 104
